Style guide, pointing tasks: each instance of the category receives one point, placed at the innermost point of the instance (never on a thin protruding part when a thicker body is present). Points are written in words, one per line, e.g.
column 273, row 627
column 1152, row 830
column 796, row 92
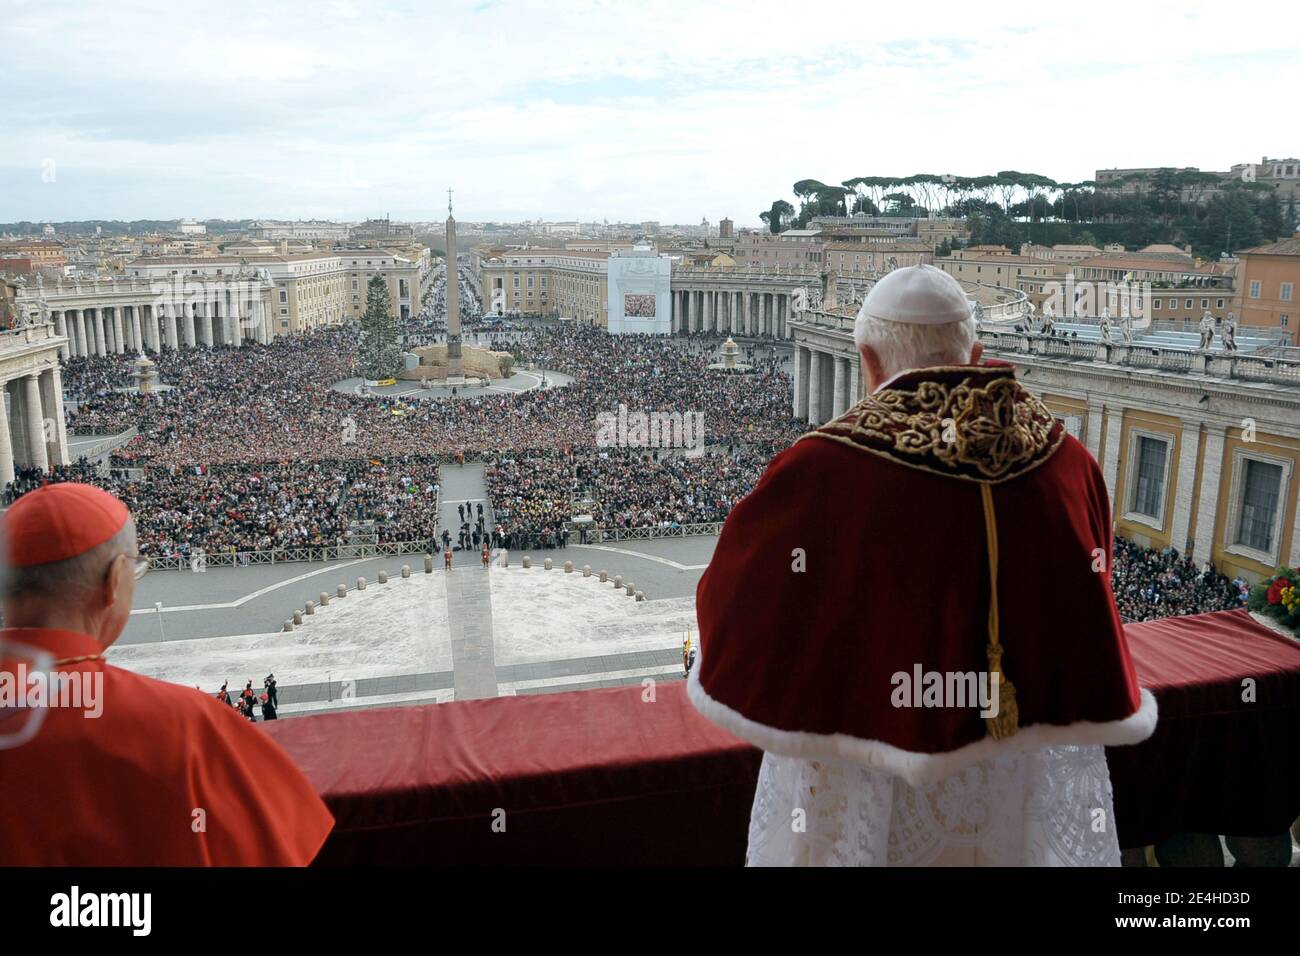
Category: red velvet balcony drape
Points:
column 608, row 777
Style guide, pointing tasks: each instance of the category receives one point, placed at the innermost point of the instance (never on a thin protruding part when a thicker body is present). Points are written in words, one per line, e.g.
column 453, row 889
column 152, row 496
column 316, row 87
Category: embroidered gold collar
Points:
column 974, row 422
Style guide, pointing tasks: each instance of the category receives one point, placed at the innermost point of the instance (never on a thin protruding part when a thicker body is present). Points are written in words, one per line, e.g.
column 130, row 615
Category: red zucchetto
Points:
column 59, row 521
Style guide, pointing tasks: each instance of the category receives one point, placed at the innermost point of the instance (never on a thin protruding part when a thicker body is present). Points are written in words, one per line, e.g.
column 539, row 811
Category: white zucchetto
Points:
column 918, row 295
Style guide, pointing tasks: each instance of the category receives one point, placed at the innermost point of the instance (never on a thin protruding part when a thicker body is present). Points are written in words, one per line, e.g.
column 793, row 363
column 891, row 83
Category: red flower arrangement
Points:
column 1279, row 598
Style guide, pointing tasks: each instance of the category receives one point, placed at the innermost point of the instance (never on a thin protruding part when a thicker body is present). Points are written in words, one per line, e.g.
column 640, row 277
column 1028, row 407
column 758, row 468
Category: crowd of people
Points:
column 253, row 448
column 535, row 496
column 1150, row 583
column 249, row 700
column 277, row 403
column 241, row 508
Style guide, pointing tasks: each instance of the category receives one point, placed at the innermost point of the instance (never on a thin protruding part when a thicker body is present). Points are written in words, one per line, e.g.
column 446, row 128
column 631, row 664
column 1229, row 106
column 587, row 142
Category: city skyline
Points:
column 352, row 111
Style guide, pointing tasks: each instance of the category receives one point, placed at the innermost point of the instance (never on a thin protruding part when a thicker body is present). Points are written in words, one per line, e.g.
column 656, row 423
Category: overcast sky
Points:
column 626, row 109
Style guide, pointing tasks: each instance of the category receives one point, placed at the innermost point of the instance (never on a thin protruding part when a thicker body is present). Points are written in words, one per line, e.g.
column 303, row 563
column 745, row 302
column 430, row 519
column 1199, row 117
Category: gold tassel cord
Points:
column 1007, row 720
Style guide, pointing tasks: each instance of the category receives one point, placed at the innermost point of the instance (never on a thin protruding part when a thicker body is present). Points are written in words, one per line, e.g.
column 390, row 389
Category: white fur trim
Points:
column 919, row 769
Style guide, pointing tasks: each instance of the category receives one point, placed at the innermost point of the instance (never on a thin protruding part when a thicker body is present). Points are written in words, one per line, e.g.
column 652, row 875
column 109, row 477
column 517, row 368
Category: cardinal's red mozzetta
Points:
column 163, row 775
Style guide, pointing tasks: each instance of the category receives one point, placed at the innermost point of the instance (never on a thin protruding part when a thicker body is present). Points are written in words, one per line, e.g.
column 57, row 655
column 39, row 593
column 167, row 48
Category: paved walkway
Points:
column 469, row 618
column 463, row 485
column 469, row 587
column 575, row 673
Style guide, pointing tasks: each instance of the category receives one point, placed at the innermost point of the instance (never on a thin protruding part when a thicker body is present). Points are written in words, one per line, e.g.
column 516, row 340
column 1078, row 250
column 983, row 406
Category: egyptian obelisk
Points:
column 455, row 371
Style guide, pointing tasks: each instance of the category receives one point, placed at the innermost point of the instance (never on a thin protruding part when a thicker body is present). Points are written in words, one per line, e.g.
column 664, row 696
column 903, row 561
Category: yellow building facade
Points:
column 569, row 283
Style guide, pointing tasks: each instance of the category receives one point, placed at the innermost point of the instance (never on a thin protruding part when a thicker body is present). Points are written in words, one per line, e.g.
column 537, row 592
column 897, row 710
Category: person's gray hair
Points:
column 63, row 578
column 904, row 345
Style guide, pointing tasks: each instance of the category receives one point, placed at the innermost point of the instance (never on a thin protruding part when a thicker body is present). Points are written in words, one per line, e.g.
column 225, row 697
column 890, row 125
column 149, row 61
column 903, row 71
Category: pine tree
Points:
column 381, row 355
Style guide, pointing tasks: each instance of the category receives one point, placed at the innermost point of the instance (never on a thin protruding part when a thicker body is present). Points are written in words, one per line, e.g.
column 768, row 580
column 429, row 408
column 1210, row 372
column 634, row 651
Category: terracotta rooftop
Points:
column 1135, row 263
column 850, row 245
column 1286, row 247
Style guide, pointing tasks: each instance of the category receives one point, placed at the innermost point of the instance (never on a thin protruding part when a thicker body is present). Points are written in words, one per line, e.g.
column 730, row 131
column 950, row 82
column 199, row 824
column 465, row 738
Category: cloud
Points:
column 670, row 111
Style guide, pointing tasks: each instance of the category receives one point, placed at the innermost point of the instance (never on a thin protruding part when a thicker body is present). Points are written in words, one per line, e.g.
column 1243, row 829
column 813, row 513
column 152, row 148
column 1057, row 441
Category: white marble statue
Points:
column 1207, row 330
column 1229, row 333
column 1104, row 325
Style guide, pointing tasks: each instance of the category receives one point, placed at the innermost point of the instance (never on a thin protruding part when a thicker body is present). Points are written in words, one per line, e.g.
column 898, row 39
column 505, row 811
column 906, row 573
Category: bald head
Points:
column 90, row 592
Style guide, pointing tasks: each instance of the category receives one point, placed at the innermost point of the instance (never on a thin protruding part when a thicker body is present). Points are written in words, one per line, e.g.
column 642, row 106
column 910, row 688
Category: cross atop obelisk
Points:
column 455, row 370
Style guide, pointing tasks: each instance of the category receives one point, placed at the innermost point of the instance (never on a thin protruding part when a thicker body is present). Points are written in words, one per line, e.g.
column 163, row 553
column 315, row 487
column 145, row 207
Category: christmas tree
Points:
column 381, row 356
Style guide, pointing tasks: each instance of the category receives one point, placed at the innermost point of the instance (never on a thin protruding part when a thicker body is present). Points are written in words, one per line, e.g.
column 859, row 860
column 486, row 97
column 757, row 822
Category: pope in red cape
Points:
column 944, row 525
column 137, row 772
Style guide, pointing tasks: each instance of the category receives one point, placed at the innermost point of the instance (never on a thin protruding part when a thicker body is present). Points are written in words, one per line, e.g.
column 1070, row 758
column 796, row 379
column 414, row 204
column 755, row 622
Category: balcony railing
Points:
column 634, row 775
column 25, row 335
column 1235, row 365
column 324, row 553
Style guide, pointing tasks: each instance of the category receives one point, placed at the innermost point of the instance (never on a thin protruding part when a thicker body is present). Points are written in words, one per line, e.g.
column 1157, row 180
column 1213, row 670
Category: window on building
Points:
column 284, row 296
column 1218, row 303
column 1286, row 291
column 1254, row 289
column 1261, row 491
column 1149, row 486
column 1155, row 304
column 354, row 285
column 1188, row 304
column 1205, row 303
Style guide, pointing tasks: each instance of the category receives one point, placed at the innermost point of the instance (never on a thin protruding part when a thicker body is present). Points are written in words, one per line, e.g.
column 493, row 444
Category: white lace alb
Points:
column 1049, row 807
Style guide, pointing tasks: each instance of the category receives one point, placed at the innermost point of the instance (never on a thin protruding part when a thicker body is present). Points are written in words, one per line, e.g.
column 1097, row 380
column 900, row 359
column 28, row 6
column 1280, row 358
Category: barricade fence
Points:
column 358, row 551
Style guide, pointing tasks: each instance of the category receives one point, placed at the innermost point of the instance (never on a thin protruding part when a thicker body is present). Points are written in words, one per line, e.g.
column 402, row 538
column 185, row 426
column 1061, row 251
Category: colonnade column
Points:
column 840, row 386
column 171, row 329
column 187, row 324
column 6, row 443
column 814, row 388
column 261, row 321
column 137, row 330
column 204, row 319
column 101, row 342
column 35, row 423
column 79, row 322
column 61, row 328
column 801, row 357
column 54, row 438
